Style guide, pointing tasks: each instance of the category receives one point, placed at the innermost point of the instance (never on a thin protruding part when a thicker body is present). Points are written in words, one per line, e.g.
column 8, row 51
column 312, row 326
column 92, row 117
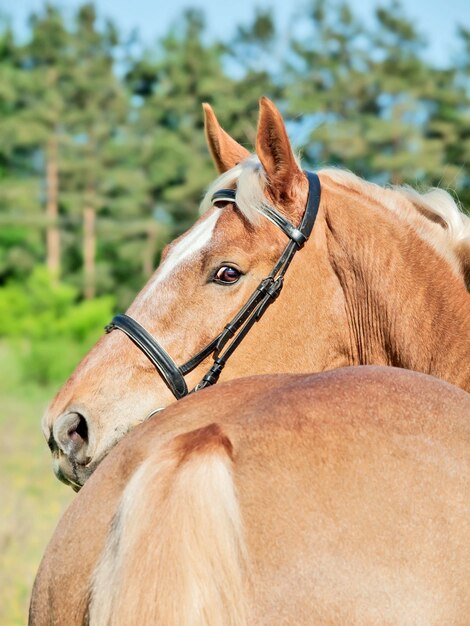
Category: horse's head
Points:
column 205, row 277
column 379, row 281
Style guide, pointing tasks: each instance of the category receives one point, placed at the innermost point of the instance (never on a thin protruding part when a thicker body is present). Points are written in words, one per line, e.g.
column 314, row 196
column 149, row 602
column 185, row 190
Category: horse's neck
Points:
column 405, row 305
column 427, row 327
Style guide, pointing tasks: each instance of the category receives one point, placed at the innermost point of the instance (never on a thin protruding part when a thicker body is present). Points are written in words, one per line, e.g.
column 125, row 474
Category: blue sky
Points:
column 435, row 18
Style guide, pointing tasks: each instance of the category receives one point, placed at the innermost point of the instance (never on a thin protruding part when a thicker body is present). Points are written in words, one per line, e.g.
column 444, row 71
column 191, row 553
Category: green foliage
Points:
column 170, row 84
column 31, row 498
column 48, row 327
column 92, row 121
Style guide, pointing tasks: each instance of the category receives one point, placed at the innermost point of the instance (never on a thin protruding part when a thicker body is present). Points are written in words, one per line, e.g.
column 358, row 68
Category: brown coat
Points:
column 337, row 498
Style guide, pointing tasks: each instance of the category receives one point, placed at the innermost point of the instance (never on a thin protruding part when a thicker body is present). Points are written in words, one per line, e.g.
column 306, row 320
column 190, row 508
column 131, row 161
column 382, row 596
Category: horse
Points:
column 370, row 275
column 283, row 500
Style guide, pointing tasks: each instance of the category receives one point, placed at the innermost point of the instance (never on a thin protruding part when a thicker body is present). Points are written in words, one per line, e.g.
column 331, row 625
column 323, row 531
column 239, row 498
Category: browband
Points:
column 299, row 235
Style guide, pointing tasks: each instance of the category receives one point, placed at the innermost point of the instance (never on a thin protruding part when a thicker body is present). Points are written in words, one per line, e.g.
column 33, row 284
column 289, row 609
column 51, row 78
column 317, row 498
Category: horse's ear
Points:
column 225, row 151
column 274, row 150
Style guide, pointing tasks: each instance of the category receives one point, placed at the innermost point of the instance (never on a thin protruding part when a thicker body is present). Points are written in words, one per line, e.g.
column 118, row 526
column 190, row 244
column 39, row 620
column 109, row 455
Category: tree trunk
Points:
column 89, row 251
column 52, row 208
column 150, row 249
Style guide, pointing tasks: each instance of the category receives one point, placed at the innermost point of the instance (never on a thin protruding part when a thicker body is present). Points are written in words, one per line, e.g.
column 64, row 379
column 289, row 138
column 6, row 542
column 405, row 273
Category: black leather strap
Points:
column 313, row 204
column 153, row 351
column 224, row 195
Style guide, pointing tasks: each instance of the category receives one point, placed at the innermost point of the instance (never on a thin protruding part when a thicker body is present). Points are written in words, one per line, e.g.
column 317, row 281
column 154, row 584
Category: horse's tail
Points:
column 175, row 555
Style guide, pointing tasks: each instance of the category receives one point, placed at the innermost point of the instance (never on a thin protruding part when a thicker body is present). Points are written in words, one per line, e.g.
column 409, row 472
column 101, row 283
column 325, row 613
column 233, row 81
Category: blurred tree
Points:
column 45, row 60
column 254, row 57
column 449, row 121
column 28, row 139
column 97, row 113
column 331, row 91
column 169, row 87
column 367, row 98
column 404, row 83
column 102, row 154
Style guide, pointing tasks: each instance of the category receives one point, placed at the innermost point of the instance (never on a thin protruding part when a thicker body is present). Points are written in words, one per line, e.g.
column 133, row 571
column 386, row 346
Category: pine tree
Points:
column 449, row 121
column 331, row 93
column 29, row 131
column 255, row 57
column 97, row 110
column 396, row 139
column 20, row 245
column 170, row 86
column 44, row 60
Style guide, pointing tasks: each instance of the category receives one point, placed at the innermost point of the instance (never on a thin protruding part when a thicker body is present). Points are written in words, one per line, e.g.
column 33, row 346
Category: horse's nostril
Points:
column 78, row 432
column 71, row 434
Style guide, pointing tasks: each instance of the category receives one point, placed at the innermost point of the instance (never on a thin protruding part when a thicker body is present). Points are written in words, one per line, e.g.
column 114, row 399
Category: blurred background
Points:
column 103, row 160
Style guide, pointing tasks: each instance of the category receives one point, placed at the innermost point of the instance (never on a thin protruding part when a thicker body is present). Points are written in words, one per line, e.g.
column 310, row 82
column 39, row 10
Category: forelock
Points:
column 249, row 181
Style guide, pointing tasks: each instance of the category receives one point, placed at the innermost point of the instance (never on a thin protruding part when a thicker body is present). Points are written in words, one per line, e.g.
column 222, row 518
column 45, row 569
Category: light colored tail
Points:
column 175, row 555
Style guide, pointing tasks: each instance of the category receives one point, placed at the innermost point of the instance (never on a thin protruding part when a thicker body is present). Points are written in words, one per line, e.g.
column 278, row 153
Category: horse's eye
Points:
column 227, row 275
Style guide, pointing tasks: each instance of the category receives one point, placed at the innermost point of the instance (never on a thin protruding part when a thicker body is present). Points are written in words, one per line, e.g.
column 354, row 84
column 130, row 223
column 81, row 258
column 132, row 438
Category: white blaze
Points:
column 188, row 246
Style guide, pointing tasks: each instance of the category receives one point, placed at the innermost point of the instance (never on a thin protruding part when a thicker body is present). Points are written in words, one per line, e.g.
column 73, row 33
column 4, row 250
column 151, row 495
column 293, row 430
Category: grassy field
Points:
column 31, row 498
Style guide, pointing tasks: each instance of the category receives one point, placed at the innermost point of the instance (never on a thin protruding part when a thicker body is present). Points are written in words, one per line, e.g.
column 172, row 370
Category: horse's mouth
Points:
column 74, row 475
column 65, row 479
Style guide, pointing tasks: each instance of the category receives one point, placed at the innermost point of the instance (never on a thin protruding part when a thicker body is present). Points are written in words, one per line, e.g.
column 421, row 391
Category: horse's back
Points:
column 353, row 488
column 361, row 502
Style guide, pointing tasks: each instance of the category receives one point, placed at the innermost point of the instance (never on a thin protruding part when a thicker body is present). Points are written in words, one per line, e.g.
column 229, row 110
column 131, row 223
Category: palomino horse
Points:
column 381, row 280
column 341, row 498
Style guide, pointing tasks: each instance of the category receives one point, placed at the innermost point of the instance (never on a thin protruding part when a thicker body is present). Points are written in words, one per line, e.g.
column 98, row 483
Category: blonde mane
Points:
column 434, row 215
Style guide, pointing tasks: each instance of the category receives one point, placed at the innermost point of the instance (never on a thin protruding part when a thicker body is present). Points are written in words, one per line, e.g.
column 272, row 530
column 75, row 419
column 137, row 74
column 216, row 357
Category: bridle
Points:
column 223, row 346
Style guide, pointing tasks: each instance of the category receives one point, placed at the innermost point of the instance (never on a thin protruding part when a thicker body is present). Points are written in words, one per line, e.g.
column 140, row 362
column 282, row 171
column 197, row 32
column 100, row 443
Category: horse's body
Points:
column 382, row 280
column 338, row 498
